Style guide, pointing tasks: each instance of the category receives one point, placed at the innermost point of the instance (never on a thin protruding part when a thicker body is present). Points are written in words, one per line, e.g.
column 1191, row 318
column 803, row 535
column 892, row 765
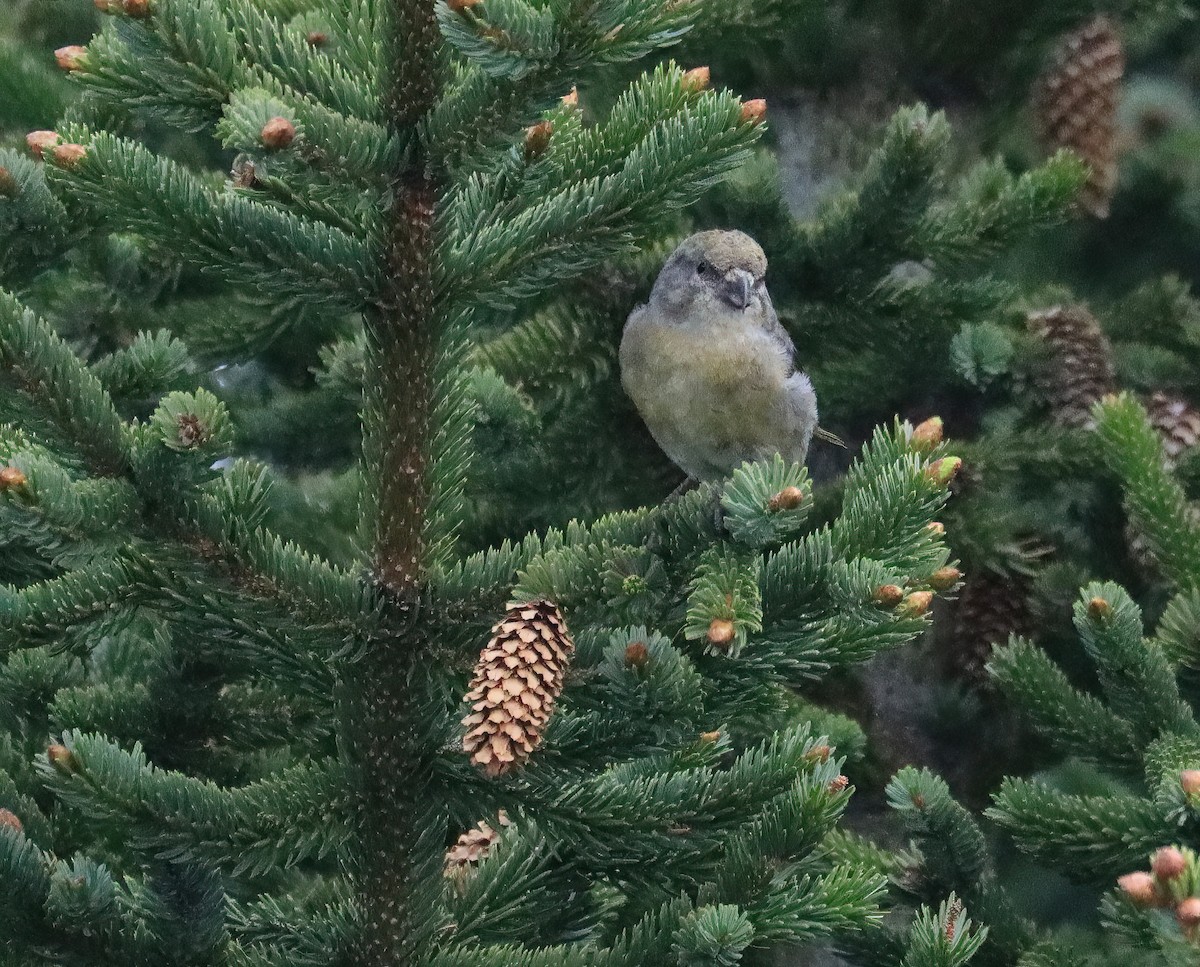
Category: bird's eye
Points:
column 702, row 268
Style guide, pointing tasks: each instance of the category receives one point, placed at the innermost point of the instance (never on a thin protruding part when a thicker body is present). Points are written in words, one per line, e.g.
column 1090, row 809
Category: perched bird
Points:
column 708, row 365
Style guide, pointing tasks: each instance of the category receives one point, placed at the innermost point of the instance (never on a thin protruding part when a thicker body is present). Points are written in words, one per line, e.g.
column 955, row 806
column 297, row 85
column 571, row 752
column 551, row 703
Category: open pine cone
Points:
column 517, row 680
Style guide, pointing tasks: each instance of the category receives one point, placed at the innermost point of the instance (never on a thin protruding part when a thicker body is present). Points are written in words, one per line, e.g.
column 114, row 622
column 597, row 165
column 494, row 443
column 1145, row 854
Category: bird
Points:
column 708, row 366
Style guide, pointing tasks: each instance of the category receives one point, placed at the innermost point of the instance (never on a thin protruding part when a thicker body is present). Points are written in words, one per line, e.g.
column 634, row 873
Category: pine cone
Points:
column 1176, row 421
column 990, row 608
column 1076, row 104
column 1080, row 370
column 517, row 679
column 472, row 847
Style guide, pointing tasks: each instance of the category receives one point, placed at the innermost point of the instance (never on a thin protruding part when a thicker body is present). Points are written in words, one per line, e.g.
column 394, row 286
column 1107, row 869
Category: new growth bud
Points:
column 636, row 655
column 1139, row 887
column 1189, row 779
column 1099, row 609
column 710, row 737
column 944, row 578
column 888, row 595
column 1168, row 863
column 8, row 184
column 70, row 58
column 68, row 155
column 317, row 38
column 695, row 80
column 754, row 112
column 926, row 435
column 10, row 820
column 942, row 471
column 137, row 9
column 1187, row 914
column 916, row 604
column 459, row 6
column 537, row 140
column 40, row 142
column 837, row 784
column 11, row 478
column 62, row 758
column 278, row 133
column 721, row 632
column 570, row 100
column 936, row 528
column 818, row 753
column 789, row 498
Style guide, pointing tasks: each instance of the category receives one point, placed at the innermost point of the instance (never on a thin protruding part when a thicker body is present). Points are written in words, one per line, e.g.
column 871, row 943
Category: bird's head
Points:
column 724, row 269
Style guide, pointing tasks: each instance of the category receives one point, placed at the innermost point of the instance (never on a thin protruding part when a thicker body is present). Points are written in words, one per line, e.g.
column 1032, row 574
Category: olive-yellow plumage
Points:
column 708, row 365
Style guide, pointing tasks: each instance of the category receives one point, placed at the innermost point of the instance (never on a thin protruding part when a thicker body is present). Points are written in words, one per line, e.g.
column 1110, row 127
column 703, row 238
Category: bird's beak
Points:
column 739, row 287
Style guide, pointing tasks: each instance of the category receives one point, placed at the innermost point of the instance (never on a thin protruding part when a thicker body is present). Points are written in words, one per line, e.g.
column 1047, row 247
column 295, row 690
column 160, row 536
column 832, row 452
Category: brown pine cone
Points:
column 517, row 679
column 1079, row 368
column 1076, row 104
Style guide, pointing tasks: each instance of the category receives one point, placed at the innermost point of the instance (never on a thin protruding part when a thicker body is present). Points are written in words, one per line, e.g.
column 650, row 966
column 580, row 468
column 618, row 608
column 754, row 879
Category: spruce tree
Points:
column 241, row 728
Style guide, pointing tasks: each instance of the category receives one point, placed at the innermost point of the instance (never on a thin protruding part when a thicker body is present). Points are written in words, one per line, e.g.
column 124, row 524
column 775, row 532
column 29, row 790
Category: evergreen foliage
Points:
column 256, row 750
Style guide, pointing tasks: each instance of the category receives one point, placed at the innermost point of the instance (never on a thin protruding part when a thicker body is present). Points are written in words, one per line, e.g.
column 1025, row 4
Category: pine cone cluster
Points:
column 1076, row 104
column 517, row 680
column 472, row 847
column 1079, row 370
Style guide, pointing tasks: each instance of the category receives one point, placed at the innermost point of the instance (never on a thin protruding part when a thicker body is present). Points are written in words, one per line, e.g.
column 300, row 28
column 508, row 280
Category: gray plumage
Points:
column 709, row 367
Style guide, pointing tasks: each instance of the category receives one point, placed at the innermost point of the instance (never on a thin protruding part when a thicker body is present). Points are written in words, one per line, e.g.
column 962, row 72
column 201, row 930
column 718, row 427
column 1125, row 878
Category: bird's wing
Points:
column 778, row 334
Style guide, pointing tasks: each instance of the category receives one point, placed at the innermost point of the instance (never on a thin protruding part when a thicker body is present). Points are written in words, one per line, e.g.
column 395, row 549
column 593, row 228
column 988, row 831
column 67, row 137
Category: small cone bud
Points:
column 1099, row 609
column 192, row 432
column 11, row 478
column 62, row 758
column 943, row 471
column 789, row 498
column 70, row 58
column 1168, row 863
column 695, row 80
column 952, row 915
column 138, row 9
column 837, row 784
column 571, row 98
column 818, row 753
column 278, row 133
column 636, row 655
column 1189, row 779
column 8, row 184
column 926, row 435
column 11, row 820
column 1187, row 914
column 721, row 632
column 936, row 527
column 916, row 604
column 754, row 112
column 458, row 6
column 41, row 141
column 537, row 140
column 1139, row 887
column 888, row 595
column 317, row 38
column 710, row 737
column 944, row 578
column 68, row 155
column 244, row 174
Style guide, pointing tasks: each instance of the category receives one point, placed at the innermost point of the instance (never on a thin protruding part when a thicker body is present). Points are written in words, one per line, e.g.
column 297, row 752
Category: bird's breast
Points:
column 723, row 385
